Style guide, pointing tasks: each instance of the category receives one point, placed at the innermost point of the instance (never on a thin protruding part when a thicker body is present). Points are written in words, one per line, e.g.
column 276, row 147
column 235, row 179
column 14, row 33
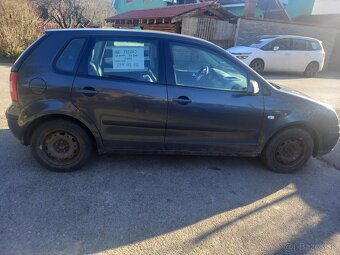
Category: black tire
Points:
column 311, row 70
column 61, row 145
column 257, row 65
column 288, row 150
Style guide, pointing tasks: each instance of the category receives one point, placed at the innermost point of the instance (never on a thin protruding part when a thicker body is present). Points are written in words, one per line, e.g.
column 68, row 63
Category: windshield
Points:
column 258, row 43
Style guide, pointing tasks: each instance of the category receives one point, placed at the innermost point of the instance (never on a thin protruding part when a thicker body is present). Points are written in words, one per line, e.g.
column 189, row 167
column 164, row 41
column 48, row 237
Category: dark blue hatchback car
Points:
column 76, row 91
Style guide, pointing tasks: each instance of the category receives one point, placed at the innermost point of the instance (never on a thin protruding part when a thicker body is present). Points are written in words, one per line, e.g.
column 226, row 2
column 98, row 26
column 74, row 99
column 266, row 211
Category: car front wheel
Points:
column 288, row 151
column 61, row 145
column 257, row 65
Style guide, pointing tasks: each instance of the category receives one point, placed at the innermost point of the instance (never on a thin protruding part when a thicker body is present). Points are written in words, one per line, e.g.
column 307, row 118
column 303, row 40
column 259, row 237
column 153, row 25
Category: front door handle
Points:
column 89, row 91
column 182, row 100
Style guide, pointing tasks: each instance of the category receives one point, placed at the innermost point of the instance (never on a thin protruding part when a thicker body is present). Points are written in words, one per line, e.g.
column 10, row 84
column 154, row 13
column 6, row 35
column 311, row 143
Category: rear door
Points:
column 300, row 56
column 209, row 108
column 120, row 85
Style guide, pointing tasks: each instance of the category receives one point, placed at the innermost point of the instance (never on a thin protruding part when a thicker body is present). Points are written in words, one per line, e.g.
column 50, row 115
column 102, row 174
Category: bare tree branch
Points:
column 72, row 13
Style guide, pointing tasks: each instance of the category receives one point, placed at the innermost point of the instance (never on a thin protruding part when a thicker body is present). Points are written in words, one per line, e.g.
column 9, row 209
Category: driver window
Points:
column 123, row 59
column 197, row 67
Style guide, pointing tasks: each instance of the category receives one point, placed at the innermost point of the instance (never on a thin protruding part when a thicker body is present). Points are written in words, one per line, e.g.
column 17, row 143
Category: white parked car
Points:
column 282, row 53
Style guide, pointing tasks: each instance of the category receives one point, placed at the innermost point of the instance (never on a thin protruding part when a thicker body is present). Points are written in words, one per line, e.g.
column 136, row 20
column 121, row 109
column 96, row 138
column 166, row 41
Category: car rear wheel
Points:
column 257, row 65
column 61, row 146
column 312, row 69
column 288, row 151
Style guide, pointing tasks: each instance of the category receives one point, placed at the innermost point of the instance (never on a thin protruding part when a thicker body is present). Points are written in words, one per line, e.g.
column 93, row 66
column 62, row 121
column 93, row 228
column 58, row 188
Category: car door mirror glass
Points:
column 253, row 87
column 276, row 48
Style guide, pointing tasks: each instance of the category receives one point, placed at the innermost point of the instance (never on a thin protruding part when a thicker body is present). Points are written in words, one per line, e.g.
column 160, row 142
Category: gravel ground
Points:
column 165, row 204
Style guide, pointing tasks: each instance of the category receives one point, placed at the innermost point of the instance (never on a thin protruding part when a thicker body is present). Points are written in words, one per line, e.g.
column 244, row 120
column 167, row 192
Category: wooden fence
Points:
column 220, row 32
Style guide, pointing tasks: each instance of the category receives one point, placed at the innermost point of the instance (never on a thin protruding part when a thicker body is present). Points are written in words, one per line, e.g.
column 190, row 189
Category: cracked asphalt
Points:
column 170, row 204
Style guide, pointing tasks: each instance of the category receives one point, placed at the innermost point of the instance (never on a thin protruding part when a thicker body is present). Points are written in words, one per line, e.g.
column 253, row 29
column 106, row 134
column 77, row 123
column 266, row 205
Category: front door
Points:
column 277, row 55
column 120, row 86
column 209, row 107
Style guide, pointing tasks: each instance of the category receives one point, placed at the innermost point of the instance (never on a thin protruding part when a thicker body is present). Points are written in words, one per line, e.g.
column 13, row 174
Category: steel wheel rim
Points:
column 313, row 68
column 61, row 146
column 290, row 151
column 257, row 66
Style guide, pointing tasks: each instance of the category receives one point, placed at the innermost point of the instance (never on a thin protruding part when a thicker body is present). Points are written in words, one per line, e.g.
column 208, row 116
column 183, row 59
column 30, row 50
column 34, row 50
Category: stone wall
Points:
column 247, row 29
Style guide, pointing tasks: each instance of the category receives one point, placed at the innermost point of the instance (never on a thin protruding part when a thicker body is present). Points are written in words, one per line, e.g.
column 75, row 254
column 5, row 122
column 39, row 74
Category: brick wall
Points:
column 248, row 29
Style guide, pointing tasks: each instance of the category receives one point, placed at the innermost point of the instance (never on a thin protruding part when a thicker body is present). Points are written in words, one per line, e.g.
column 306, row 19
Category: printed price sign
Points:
column 128, row 58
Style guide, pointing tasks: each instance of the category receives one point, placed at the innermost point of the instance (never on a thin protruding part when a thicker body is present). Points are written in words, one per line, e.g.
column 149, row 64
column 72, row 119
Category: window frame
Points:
column 170, row 72
column 310, row 48
column 299, row 39
column 274, row 44
column 82, row 70
column 80, row 56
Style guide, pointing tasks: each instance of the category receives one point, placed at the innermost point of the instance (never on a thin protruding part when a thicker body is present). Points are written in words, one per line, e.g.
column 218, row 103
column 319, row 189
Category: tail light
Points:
column 13, row 86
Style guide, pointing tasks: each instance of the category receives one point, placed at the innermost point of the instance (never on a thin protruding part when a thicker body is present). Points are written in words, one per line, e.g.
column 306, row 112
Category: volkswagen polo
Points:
column 75, row 92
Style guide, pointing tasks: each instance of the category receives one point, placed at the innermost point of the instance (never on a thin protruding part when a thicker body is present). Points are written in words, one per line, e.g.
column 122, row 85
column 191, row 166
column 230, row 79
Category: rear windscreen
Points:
column 26, row 53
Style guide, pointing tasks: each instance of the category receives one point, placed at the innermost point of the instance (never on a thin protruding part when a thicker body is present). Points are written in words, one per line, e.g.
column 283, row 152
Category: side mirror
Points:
column 276, row 48
column 253, row 88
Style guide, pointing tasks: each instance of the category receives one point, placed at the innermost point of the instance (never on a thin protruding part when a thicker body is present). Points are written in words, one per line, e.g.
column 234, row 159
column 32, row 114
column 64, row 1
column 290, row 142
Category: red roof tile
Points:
column 163, row 12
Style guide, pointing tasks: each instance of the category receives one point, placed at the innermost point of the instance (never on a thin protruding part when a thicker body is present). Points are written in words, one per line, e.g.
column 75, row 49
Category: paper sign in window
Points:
column 128, row 58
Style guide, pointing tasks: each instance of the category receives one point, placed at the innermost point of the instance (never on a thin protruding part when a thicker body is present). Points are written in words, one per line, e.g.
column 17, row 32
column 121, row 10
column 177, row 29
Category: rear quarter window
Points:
column 67, row 60
column 313, row 45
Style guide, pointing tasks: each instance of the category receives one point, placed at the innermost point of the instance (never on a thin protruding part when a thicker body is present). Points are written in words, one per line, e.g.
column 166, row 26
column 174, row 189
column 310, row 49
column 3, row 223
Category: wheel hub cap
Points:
column 289, row 151
column 61, row 146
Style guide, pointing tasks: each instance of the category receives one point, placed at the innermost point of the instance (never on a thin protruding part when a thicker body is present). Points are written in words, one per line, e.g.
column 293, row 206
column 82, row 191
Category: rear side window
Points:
column 299, row 44
column 124, row 59
column 68, row 59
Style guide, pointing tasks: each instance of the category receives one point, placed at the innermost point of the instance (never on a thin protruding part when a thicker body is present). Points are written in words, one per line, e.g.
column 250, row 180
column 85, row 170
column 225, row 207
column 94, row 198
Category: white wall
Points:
column 326, row 7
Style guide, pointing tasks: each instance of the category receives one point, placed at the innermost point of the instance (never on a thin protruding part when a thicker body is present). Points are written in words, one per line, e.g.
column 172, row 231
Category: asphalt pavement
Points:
column 135, row 204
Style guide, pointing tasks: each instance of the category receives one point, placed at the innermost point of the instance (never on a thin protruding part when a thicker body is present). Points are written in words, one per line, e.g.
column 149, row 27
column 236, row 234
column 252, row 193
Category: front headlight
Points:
column 242, row 57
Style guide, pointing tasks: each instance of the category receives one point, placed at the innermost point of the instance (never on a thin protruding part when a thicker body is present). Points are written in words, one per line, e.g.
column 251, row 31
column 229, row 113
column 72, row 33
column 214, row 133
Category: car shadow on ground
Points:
column 120, row 200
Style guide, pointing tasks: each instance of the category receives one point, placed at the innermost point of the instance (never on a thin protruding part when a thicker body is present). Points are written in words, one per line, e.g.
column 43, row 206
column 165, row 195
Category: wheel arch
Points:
column 259, row 59
column 311, row 62
column 302, row 125
column 97, row 143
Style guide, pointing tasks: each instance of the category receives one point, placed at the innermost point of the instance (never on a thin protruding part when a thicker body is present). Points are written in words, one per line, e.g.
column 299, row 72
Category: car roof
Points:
column 129, row 32
column 289, row 36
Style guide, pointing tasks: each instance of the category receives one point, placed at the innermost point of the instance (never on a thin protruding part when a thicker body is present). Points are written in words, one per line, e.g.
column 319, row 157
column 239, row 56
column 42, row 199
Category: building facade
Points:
column 122, row 6
column 293, row 8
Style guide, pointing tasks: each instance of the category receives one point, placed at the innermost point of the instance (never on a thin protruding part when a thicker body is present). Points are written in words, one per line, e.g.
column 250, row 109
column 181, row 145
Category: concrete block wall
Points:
column 248, row 29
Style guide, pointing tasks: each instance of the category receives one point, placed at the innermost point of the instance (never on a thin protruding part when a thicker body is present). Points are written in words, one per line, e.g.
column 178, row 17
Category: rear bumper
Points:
column 13, row 124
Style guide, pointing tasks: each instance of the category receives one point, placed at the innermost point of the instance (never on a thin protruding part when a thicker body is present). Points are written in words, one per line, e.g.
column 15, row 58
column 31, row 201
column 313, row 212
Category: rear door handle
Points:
column 182, row 100
column 89, row 91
